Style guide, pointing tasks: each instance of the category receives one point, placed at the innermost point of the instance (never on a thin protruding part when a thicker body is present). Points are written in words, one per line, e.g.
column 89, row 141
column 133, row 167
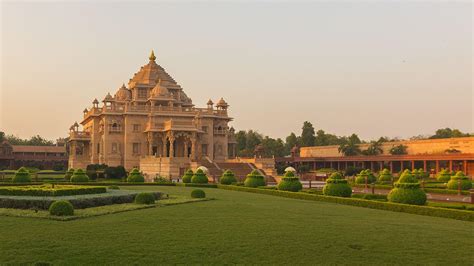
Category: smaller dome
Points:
column 85, row 110
column 221, row 103
column 95, row 101
column 159, row 90
column 108, row 97
column 210, row 102
column 204, row 169
column 290, row 169
column 123, row 94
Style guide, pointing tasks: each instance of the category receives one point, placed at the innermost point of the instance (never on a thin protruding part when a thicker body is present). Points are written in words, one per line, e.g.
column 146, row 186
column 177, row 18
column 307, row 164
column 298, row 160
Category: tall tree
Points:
column 307, row 135
column 444, row 133
column 350, row 146
column 291, row 141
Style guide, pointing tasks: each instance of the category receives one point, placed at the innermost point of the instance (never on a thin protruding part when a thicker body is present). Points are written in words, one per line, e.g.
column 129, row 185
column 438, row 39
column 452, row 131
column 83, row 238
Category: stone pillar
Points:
column 391, row 167
column 450, row 165
column 172, row 139
column 186, row 148
column 150, row 143
column 464, row 166
column 424, row 166
column 412, row 165
column 193, row 148
column 163, row 148
column 437, row 166
column 371, row 166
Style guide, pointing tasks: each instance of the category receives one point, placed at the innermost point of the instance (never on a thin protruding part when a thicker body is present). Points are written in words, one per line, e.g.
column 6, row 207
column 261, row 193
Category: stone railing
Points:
column 79, row 135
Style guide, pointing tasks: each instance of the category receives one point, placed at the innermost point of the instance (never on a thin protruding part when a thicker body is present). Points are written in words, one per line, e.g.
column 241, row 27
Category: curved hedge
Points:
column 61, row 208
column 145, row 198
column 337, row 186
column 466, row 183
column 187, row 176
column 254, row 179
column 407, row 190
column 198, row 193
column 228, row 178
column 199, row 177
column 360, row 179
column 290, row 182
column 385, row 176
column 443, row 175
column 135, row 176
column 79, row 176
column 22, row 176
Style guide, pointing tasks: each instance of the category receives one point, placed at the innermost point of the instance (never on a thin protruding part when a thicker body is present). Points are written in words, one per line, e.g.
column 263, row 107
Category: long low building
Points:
column 45, row 157
column 431, row 155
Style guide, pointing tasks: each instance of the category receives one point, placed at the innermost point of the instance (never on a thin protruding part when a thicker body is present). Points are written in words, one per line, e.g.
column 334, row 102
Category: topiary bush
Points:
column 337, row 186
column 443, row 175
column 145, row 198
column 69, row 173
column 290, row 182
column 385, row 176
column 254, row 179
column 22, row 176
column 61, row 208
column 198, row 193
column 466, row 183
column 407, row 190
column 199, row 177
column 135, row 176
column 360, row 179
column 188, row 176
column 79, row 176
column 228, row 178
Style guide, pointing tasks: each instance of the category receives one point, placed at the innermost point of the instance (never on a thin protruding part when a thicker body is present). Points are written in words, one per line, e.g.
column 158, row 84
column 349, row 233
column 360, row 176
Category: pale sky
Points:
column 376, row 68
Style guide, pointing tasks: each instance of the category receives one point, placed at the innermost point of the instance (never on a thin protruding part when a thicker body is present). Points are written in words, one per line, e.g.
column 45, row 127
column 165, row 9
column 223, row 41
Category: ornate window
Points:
column 142, row 93
column 136, row 148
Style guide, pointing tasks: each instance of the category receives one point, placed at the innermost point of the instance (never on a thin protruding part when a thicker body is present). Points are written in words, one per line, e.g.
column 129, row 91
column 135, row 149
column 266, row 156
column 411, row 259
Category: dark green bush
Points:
column 79, row 177
column 92, row 174
column 61, row 208
column 69, row 174
column 254, row 179
column 385, row 176
column 337, row 186
column 135, row 176
column 290, row 182
column 407, row 190
column 117, row 172
column 443, row 175
column 22, row 176
column 145, row 198
column 188, row 176
column 360, row 179
column 466, row 183
column 198, row 193
column 228, row 178
column 199, row 177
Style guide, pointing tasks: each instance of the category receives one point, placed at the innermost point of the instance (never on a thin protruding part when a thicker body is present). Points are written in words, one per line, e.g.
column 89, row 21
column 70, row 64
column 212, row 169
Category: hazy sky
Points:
column 392, row 68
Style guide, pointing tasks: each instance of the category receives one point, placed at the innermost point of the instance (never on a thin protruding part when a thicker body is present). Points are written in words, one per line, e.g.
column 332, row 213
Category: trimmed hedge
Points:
column 188, row 176
column 254, row 179
column 199, row 177
column 290, row 182
column 135, row 176
column 389, row 206
column 49, row 191
column 337, row 186
column 443, row 175
column 360, row 179
column 196, row 185
column 61, row 208
column 385, row 176
column 69, row 174
column 466, row 183
column 198, row 194
column 145, row 198
column 228, row 178
column 407, row 190
column 22, row 176
column 79, row 176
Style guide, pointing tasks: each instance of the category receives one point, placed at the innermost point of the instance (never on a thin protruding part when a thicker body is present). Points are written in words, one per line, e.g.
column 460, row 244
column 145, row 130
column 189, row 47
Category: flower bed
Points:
column 50, row 190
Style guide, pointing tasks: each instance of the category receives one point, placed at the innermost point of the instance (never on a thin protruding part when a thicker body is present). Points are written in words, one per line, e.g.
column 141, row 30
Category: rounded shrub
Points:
column 188, row 176
column 290, row 182
column 360, row 179
column 199, row 177
column 385, row 176
column 466, row 184
column 79, row 176
column 254, row 179
column 69, row 173
column 145, row 198
column 228, row 178
column 337, row 186
column 407, row 190
column 135, row 176
column 443, row 175
column 22, row 176
column 61, row 208
column 198, row 193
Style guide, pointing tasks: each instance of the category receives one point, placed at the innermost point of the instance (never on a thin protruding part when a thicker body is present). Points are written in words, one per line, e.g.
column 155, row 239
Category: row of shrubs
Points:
column 51, row 191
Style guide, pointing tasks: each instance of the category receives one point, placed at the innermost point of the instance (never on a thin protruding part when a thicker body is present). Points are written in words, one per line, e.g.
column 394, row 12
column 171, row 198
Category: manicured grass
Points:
column 240, row 227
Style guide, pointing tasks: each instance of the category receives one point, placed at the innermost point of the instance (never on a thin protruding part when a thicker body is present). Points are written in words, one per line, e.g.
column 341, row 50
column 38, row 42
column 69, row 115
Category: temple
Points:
column 152, row 124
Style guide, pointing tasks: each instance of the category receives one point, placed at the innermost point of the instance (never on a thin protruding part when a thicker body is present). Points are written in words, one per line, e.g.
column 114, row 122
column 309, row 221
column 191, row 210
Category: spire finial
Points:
column 152, row 56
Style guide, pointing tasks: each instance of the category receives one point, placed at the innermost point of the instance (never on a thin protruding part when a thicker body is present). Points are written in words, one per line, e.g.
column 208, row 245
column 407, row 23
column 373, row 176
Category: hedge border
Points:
column 205, row 185
column 427, row 190
column 388, row 206
column 39, row 191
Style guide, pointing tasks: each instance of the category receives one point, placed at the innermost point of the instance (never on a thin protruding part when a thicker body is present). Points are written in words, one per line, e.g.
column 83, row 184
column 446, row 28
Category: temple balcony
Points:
column 80, row 135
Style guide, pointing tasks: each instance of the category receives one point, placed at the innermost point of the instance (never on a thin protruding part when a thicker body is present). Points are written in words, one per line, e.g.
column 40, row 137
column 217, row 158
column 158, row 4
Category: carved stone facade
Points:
column 151, row 124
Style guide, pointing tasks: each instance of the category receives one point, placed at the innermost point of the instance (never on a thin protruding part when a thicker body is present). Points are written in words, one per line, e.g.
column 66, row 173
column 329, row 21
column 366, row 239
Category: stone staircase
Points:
column 241, row 170
column 214, row 171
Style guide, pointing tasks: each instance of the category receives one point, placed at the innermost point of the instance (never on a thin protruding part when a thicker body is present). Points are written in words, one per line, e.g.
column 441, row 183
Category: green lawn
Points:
column 240, row 227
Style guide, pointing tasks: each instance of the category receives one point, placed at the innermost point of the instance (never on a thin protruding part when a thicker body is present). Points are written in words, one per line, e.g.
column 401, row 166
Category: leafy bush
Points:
column 443, row 175
column 115, row 172
column 188, row 176
column 254, row 179
column 466, row 184
column 290, row 182
column 135, row 176
column 49, row 190
column 228, row 178
column 199, row 177
column 162, row 180
column 407, row 190
column 61, row 208
column 198, row 193
column 145, row 198
column 69, row 173
column 351, row 171
column 360, row 179
column 337, row 186
column 385, row 176
column 92, row 174
column 22, row 176
column 79, row 177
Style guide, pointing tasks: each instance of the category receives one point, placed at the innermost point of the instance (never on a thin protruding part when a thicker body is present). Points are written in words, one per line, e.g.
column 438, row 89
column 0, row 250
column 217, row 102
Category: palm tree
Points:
column 349, row 147
column 375, row 148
